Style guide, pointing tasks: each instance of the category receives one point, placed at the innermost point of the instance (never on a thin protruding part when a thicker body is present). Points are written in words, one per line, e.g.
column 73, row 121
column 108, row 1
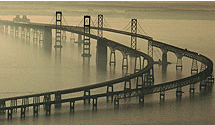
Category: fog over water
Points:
column 27, row 67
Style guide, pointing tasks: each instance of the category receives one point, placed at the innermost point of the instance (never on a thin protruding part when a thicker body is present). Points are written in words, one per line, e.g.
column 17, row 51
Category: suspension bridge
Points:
column 143, row 74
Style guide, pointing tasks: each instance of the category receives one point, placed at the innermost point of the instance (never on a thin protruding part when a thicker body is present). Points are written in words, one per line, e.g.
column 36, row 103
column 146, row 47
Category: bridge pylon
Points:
column 6, row 29
column 72, row 37
column 179, row 62
column 150, row 74
column 109, row 92
column 1, row 28
column 137, row 63
column 194, row 67
column 133, row 32
column 72, row 106
column 86, row 42
column 203, row 83
column 16, row 31
column 112, row 56
column 22, row 32
column 58, row 30
column 57, row 99
column 13, row 102
column 100, row 25
column 2, row 105
column 35, row 35
column 11, row 29
column 28, row 30
column 139, row 81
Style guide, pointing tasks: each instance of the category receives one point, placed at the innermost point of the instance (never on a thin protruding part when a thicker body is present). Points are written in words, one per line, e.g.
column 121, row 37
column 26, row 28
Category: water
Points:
column 28, row 68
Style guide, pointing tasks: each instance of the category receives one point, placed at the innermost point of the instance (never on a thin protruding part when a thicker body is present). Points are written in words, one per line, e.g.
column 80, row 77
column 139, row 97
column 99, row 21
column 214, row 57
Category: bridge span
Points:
column 142, row 73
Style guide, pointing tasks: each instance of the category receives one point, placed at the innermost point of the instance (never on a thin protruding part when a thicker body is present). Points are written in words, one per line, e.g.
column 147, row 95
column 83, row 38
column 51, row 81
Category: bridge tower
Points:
column 101, row 54
column 194, row 67
column 100, row 25
column 150, row 75
column 133, row 32
column 58, row 30
column 203, row 83
column 86, row 44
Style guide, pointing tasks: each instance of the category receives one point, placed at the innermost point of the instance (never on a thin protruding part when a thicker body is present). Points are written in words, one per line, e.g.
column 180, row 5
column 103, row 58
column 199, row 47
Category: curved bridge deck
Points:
column 47, row 101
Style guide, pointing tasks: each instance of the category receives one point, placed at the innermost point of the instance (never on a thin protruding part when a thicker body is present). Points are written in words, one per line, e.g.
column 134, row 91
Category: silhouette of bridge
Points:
column 143, row 72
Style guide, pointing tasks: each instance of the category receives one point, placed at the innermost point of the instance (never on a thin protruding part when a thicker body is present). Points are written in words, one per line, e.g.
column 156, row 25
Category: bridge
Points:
column 143, row 70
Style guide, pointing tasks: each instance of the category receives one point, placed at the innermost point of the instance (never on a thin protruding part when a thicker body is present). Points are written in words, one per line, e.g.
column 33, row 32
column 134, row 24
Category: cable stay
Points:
column 80, row 22
column 105, row 22
column 64, row 20
column 141, row 28
column 127, row 26
column 52, row 20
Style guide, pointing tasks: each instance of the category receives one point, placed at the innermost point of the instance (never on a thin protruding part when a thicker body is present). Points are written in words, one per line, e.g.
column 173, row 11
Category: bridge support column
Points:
column 194, row 67
column 41, row 37
column 141, row 98
column 6, row 29
column 162, row 95
column 164, row 56
column 139, row 80
column 192, row 88
column 36, row 99
column 203, row 83
column 116, row 101
column 13, row 103
column 124, row 61
column 48, row 109
column 1, row 28
column 47, row 38
column 11, row 29
column 127, row 88
column 95, row 100
column 58, row 99
column 137, row 66
column 22, row 32
column 179, row 91
column 35, row 35
column 86, row 96
column 179, row 61
column 9, row 113
column 109, row 92
column 35, row 110
column 25, row 101
column 28, row 34
column 46, row 99
column 72, row 106
column 72, row 37
column 149, row 78
column 16, row 31
column 112, row 57
column 210, row 80
column 2, row 105
column 22, row 113
column 101, row 54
